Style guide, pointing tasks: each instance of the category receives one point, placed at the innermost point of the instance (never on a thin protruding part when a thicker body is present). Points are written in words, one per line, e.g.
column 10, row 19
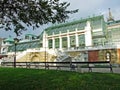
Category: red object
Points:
column 93, row 55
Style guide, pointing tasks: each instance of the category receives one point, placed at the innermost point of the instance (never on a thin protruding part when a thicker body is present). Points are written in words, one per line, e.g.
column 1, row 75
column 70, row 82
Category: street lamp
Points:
column 45, row 51
column 15, row 43
column 45, row 47
column 45, row 58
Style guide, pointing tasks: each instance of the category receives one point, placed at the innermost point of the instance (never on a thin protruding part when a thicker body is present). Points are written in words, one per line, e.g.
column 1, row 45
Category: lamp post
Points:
column 45, row 58
column 15, row 43
column 45, row 47
column 45, row 51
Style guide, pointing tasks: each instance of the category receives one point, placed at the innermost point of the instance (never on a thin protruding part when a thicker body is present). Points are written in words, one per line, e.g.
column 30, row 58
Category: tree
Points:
column 15, row 14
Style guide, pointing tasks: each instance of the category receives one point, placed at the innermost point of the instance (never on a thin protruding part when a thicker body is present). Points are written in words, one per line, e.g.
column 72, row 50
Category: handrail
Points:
column 71, row 65
column 85, row 62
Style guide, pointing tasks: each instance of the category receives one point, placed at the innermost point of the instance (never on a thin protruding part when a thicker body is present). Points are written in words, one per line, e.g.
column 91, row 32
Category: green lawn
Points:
column 34, row 79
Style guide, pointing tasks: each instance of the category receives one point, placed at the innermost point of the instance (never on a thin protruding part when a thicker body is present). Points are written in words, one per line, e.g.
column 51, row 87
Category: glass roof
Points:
column 25, row 45
column 80, row 25
column 9, row 39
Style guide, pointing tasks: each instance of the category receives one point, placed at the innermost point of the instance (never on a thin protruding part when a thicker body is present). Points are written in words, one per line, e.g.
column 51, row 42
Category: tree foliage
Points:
column 15, row 14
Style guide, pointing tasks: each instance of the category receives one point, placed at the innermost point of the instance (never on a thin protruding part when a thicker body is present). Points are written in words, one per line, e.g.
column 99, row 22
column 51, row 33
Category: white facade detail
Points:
column 76, row 38
column 45, row 40
column 60, row 38
column 53, row 44
column 88, row 34
column 68, row 39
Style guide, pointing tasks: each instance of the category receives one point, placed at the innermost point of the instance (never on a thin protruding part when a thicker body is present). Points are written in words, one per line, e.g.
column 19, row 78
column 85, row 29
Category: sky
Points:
column 87, row 8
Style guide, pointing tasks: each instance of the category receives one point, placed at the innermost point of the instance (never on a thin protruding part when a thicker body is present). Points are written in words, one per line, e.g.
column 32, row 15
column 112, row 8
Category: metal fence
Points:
column 73, row 66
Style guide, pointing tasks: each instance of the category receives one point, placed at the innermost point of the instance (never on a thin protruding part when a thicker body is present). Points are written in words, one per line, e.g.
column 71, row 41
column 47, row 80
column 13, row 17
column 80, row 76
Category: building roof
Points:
column 9, row 39
column 79, row 24
column 25, row 45
column 30, row 35
column 113, row 22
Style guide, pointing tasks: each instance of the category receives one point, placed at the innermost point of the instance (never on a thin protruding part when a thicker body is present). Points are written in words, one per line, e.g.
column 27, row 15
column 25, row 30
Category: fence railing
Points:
column 60, row 65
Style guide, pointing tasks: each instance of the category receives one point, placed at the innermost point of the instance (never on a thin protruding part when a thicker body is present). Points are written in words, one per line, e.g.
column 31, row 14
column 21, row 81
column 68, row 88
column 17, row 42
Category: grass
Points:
column 34, row 79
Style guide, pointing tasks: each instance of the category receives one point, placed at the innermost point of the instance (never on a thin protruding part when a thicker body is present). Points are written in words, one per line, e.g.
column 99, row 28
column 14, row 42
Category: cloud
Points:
column 84, row 4
column 94, row 7
column 86, row 8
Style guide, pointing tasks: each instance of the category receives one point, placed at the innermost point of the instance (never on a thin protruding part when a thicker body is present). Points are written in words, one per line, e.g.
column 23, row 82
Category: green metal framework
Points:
column 25, row 45
column 96, row 22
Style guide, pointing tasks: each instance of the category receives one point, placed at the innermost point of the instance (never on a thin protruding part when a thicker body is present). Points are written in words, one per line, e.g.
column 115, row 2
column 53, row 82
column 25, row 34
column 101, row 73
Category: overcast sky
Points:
column 86, row 8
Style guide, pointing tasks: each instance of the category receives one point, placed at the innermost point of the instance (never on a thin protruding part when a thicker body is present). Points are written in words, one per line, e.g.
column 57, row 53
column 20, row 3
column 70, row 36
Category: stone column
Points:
column 53, row 44
column 88, row 34
column 45, row 40
column 68, row 39
column 60, row 39
column 77, row 39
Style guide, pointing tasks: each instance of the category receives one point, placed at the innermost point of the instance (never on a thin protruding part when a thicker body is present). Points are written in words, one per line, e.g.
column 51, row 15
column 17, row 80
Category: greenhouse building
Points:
column 89, row 39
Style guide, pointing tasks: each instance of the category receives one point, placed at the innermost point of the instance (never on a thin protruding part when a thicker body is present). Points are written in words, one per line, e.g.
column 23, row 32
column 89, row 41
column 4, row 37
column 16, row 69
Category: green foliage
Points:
column 32, row 13
column 33, row 79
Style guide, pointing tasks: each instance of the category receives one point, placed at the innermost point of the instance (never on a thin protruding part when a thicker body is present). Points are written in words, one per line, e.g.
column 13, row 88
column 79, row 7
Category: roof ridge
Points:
column 73, row 22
